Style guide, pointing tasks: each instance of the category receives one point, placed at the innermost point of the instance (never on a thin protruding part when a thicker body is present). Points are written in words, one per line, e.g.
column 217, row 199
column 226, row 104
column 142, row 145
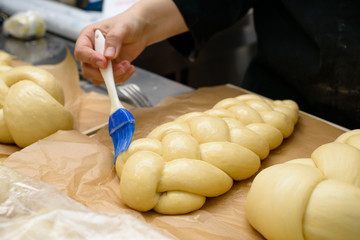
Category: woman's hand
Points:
column 126, row 36
column 124, row 42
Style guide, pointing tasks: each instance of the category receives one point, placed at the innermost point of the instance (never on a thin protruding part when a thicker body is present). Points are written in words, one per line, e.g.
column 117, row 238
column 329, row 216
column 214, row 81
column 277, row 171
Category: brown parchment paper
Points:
column 82, row 167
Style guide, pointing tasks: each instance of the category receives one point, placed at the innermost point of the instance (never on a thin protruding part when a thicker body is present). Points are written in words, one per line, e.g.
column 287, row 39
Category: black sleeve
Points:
column 204, row 18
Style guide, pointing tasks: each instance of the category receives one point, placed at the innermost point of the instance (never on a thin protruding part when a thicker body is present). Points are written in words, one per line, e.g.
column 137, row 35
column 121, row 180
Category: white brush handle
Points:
column 107, row 74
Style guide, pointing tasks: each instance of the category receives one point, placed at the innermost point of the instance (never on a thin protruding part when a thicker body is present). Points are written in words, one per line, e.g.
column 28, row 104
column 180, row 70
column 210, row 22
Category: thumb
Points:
column 112, row 45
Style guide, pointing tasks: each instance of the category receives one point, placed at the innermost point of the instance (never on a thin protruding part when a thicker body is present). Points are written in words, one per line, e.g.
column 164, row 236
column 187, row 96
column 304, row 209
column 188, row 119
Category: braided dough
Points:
column 311, row 198
column 31, row 105
column 199, row 154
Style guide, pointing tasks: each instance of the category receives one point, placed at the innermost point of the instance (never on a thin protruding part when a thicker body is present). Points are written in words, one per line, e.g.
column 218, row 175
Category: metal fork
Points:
column 134, row 94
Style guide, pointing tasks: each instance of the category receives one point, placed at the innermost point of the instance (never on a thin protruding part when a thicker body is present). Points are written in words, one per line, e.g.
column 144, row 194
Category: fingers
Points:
column 115, row 30
column 122, row 72
column 91, row 72
column 113, row 42
column 84, row 50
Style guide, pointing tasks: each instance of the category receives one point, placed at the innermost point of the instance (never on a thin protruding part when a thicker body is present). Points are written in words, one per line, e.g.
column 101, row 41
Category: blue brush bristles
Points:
column 121, row 130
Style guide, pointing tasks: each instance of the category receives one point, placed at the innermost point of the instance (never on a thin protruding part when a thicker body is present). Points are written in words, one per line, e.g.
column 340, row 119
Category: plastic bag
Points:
column 31, row 209
column 25, row 25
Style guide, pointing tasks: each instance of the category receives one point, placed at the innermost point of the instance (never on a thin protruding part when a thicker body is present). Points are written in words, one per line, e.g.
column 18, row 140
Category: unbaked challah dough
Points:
column 311, row 198
column 31, row 105
column 200, row 154
column 24, row 25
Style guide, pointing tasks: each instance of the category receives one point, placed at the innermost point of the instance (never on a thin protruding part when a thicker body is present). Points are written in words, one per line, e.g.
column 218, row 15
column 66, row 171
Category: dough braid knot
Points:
column 200, row 154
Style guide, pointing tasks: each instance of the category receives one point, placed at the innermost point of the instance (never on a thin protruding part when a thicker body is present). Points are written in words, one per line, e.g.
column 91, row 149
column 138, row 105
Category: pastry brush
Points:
column 121, row 121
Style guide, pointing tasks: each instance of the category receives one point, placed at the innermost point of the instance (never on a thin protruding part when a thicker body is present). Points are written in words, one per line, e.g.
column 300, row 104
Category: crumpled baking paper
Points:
column 31, row 209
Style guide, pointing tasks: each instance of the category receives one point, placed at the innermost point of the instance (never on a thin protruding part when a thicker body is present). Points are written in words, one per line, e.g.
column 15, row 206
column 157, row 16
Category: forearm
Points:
column 162, row 19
